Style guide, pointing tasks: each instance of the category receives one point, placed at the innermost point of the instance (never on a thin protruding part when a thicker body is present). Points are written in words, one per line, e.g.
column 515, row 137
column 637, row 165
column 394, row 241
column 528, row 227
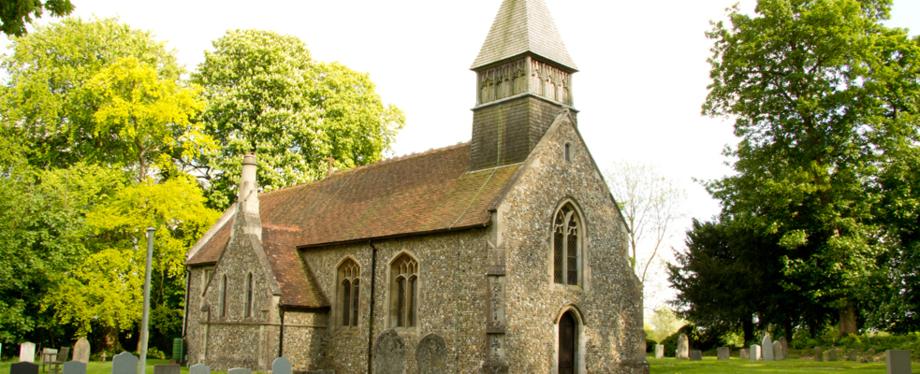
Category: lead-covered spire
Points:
column 523, row 26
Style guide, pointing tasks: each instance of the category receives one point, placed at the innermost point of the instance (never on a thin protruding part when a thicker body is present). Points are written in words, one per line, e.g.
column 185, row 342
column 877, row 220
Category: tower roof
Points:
column 523, row 26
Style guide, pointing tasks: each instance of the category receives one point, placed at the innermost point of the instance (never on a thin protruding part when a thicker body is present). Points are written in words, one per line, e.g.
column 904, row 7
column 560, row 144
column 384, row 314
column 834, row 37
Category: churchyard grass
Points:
column 709, row 365
column 96, row 367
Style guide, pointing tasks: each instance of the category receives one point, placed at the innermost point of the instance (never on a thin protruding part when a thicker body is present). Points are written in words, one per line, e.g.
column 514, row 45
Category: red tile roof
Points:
column 416, row 194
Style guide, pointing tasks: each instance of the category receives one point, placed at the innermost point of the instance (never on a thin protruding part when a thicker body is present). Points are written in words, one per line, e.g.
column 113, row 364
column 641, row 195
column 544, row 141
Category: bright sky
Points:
column 643, row 70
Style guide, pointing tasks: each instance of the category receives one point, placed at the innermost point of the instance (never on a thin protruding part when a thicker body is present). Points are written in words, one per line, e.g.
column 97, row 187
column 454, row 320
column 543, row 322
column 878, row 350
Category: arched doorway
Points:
column 568, row 343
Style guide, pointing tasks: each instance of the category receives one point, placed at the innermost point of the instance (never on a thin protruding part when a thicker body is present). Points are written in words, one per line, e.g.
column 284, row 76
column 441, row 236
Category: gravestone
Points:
column 659, row 350
column 27, row 352
column 281, row 365
column 74, row 367
column 724, row 353
column 390, row 353
column 24, row 367
column 124, row 363
column 239, row 371
column 696, row 355
column 898, row 361
column 81, row 351
column 852, row 355
column 819, row 354
column 778, row 353
column 785, row 345
column 430, row 355
column 683, row 346
column 743, row 354
column 167, row 369
column 831, row 354
column 755, row 352
column 767, row 344
column 199, row 369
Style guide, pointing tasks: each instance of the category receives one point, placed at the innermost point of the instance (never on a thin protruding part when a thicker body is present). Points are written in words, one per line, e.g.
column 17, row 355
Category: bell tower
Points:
column 523, row 81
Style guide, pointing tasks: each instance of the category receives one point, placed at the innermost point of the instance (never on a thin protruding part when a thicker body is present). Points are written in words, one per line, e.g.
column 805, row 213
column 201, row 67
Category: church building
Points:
column 505, row 254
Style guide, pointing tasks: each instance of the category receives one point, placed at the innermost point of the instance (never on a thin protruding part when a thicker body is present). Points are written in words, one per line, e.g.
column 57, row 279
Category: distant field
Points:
column 710, row 365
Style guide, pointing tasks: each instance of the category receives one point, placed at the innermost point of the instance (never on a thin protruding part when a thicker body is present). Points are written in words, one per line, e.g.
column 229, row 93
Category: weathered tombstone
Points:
column 831, row 354
column 767, row 344
column 281, row 365
column 785, row 344
column 755, row 352
column 74, row 367
column 389, row 353
column 724, row 353
column 696, row 355
column 430, row 355
column 852, row 355
column 167, row 369
column 659, row 350
column 743, row 354
column 124, row 363
column 898, row 361
column 81, row 351
column 199, row 369
column 239, row 371
column 27, row 352
column 778, row 353
column 683, row 346
column 24, row 367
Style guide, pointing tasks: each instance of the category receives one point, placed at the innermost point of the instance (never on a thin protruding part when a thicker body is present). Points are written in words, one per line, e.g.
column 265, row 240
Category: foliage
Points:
column 664, row 323
column 266, row 95
column 15, row 14
column 649, row 204
column 46, row 103
column 824, row 99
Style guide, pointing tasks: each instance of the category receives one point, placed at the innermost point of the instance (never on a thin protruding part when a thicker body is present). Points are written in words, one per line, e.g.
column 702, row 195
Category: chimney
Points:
column 248, row 214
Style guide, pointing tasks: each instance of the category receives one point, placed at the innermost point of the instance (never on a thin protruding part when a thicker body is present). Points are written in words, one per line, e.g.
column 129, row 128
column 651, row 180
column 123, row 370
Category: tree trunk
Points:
column 848, row 319
column 748, row 327
column 787, row 329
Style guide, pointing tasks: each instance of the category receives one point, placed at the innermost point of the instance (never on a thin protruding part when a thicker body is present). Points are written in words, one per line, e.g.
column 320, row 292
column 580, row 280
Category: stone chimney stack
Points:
column 248, row 214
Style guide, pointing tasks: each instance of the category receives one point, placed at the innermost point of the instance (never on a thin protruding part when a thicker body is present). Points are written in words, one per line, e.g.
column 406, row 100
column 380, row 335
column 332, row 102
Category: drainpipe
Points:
column 370, row 319
column 185, row 312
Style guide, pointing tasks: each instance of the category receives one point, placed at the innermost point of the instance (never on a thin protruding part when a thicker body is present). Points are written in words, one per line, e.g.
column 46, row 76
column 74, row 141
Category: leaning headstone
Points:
column 819, row 354
column 743, row 354
column 831, row 354
column 778, row 353
column 898, row 361
column 27, row 352
column 430, row 355
column 124, row 363
column 659, row 350
column 281, row 365
column 390, row 353
column 167, row 369
column 755, row 352
column 724, row 353
column 239, row 371
column 199, row 369
column 767, row 344
column 683, row 346
column 74, row 367
column 24, row 367
column 81, row 351
column 696, row 355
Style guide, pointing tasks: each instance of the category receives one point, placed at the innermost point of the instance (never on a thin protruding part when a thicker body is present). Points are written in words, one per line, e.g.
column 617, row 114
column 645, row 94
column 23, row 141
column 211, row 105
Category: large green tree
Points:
column 15, row 14
column 267, row 95
column 824, row 101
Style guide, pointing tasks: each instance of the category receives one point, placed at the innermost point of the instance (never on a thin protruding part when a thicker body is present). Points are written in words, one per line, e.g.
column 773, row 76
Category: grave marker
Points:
column 743, row 354
column 281, row 365
column 430, row 355
column 724, row 353
column 27, row 352
column 683, row 346
column 778, row 353
column 819, row 354
column 124, row 363
column 696, row 355
column 755, row 352
column 898, row 361
column 199, row 369
column 390, row 353
column 659, row 350
column 831, row 354
column 239, row 371
column 74, row 367
column 767, row 344
column 24, row 367
column 167, row 369
column 81, row 351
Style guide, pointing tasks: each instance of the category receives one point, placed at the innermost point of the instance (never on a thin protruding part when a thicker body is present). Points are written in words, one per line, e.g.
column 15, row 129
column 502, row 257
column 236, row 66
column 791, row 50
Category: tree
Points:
column 649, row 203
column 266, row 95
column 664, row 323
column 46, row 103
column 816, row 91
column 15, row 14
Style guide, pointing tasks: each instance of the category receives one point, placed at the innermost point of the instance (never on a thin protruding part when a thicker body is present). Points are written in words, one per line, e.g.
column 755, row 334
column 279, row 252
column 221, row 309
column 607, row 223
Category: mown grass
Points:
column 710, row 365
column 94, row 367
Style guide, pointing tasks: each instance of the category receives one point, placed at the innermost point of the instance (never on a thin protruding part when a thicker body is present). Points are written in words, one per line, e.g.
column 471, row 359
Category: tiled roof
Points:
column 416, row 194
column 523, row 26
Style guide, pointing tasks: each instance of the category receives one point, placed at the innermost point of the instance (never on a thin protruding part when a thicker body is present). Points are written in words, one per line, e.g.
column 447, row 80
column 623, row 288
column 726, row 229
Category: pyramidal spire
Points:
column 523, row 26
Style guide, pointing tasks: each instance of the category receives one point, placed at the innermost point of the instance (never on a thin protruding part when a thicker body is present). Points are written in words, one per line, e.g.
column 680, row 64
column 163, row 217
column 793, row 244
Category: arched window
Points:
column 349, row 286
column 403, row 291
column 567, row 250
column 248, row 307
column 223, row 295
column 568, row 344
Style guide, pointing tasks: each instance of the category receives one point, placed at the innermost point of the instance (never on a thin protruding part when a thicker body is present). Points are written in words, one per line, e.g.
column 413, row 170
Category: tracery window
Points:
column 403, row 291
column 349, row 285
column 567, row 250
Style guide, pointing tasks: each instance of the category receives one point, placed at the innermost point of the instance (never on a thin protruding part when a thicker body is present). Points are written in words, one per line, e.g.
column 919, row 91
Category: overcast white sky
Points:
column 642, row 79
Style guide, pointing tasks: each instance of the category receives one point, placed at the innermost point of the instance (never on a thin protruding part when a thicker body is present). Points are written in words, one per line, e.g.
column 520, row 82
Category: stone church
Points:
column 506, row 254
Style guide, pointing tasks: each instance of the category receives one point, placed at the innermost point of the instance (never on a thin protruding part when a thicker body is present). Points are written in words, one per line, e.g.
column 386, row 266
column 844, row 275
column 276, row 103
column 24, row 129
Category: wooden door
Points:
column 567, row 343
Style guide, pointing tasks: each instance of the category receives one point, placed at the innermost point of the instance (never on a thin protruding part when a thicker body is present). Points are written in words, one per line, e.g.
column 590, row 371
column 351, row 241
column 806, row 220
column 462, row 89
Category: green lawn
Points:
column 94, row 367
column 710, row 365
